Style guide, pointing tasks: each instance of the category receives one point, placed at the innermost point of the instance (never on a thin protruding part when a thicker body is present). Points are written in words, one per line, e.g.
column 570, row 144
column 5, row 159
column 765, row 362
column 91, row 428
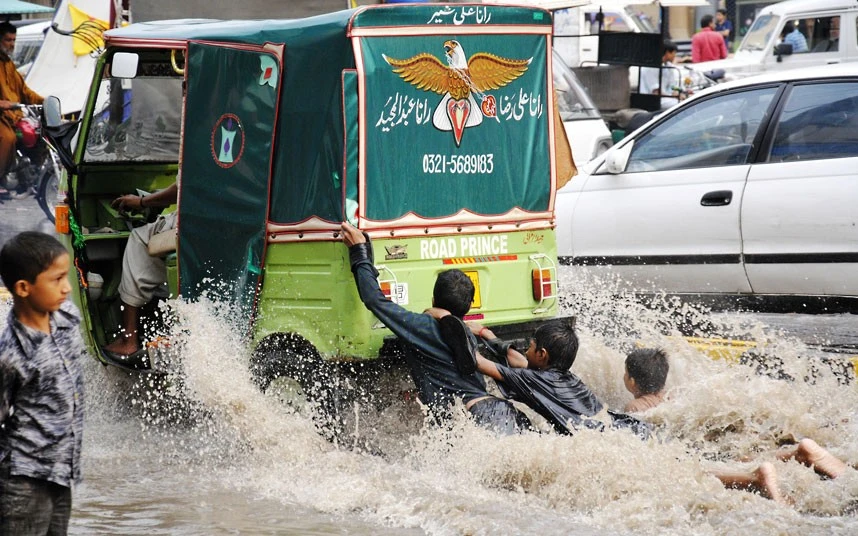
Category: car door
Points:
column 670, row 221
column 800, row 210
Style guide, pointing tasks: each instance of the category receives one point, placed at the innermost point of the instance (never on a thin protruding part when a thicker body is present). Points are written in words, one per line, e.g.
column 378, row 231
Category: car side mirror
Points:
column 783, row 49
column 618, row 158
column 53, row 111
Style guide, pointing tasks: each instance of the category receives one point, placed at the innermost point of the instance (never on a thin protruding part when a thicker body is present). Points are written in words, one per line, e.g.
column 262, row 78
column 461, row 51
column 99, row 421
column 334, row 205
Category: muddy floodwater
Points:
column 210, row 454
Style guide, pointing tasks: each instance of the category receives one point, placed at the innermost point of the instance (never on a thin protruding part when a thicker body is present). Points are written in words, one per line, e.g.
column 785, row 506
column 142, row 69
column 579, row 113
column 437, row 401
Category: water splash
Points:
column 211, row 435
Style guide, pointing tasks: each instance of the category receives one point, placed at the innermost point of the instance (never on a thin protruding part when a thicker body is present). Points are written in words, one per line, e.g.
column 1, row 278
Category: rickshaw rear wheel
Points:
column 291, row 364
column 283, row 355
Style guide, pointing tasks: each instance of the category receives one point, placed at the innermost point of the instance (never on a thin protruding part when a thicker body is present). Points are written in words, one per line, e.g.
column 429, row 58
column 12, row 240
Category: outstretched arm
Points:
column 417, row 329
column 488, row 367
column 513, row 356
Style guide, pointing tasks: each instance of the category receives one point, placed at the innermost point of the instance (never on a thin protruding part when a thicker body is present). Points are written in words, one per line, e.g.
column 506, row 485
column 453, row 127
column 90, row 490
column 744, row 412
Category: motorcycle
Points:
column 35, row 166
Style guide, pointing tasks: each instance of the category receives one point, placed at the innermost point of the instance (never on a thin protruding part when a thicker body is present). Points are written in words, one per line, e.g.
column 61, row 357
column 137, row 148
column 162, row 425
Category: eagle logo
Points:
column 458, row 81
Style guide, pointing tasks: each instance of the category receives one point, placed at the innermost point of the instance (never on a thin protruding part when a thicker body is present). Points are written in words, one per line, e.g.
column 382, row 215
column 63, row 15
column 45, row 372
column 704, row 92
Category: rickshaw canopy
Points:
column 335, row 75
column 392, row 117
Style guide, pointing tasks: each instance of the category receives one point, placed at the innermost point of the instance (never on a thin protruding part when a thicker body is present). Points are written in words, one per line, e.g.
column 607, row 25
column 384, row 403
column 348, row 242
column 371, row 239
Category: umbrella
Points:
column 17, row 7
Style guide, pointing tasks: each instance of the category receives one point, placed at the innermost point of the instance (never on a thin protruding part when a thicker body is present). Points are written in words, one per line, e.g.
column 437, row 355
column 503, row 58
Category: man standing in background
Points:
column 707, row 45
column 723, row 27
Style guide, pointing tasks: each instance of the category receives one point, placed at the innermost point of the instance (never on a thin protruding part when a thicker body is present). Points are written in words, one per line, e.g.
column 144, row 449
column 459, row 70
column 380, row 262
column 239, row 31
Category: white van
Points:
column 825, row 32
column 28, row 42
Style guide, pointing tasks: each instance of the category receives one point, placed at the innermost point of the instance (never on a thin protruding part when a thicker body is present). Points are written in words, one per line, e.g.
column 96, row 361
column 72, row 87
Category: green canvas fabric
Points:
column 414, row 166
column 229, row 128
column 351, row 114
column 308, row 161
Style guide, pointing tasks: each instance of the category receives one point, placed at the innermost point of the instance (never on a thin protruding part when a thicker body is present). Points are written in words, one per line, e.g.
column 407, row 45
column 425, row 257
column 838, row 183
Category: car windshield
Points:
column 760, row 33
column 137, row 119
column 572, row 99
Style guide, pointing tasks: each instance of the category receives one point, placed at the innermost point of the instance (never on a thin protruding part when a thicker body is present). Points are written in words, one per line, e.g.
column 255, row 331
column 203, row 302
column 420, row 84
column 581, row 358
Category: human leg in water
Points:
column 763, row 480
column 809, row 453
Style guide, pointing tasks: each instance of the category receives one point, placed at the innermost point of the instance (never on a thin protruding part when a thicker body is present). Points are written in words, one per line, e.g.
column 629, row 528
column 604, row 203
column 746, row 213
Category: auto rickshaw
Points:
column 431, row 128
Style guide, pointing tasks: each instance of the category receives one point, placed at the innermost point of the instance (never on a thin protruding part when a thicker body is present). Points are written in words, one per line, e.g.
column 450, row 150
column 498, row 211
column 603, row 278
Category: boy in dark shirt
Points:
column 540, row 377
column 41, row 392
column 438, row 378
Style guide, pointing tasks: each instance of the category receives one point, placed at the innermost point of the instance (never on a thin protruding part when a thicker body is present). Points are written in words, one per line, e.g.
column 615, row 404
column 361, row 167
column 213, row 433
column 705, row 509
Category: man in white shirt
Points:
column 670, row 78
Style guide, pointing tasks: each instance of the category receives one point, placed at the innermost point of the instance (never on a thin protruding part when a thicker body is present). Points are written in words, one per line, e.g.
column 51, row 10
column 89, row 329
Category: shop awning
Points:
column 17, row 7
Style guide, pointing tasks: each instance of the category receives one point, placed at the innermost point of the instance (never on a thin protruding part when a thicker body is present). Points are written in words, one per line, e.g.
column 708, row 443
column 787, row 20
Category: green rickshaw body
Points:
column 430, row 128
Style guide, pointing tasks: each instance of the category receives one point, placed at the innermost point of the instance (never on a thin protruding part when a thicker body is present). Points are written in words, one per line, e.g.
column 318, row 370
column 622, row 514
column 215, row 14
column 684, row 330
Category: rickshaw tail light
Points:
column 61, row 218
column 386, row 289
column 542, row 284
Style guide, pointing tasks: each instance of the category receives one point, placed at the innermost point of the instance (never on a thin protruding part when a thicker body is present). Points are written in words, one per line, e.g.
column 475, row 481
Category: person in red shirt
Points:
column 707, row 44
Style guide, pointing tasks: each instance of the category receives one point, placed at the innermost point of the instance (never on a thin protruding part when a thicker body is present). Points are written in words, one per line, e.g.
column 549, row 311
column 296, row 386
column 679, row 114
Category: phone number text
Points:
column 459, row 163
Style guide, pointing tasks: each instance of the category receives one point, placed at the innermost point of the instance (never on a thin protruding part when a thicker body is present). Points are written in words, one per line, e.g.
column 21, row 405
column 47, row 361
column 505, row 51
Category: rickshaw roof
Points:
column 313, row 28
column 243, row 31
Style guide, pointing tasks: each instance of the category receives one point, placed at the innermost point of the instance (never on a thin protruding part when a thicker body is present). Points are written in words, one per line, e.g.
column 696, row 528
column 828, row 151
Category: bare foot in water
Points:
column 763, row 480
column 767, row 482
column 812, row 455
column 123, row 345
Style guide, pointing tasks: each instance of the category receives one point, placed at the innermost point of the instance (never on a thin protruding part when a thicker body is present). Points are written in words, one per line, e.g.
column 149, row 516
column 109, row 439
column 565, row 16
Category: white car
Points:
column 747, row 188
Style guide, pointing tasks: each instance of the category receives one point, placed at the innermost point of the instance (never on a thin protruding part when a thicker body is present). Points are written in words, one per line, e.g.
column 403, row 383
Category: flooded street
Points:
column 212, row 455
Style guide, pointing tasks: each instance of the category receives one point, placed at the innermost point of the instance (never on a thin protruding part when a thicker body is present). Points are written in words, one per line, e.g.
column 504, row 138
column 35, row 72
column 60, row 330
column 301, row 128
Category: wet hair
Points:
column 27, row 255
column 706, row 21
column 648, row 367
column 559, row 339
column 7, row 27
column 454, row 291
column 668, row 46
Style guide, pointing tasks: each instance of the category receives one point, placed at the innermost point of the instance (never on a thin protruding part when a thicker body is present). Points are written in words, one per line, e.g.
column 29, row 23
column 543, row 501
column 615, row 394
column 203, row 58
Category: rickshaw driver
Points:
column 143, row 274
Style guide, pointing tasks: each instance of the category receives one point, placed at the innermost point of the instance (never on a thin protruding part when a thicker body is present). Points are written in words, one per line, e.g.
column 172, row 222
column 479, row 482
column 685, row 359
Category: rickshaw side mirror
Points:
column 124, row 65
column 53, row 112
column 59, row 134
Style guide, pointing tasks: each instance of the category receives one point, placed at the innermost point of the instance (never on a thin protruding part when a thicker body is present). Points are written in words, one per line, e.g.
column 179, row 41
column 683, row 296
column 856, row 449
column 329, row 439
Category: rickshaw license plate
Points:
column 475, row 277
